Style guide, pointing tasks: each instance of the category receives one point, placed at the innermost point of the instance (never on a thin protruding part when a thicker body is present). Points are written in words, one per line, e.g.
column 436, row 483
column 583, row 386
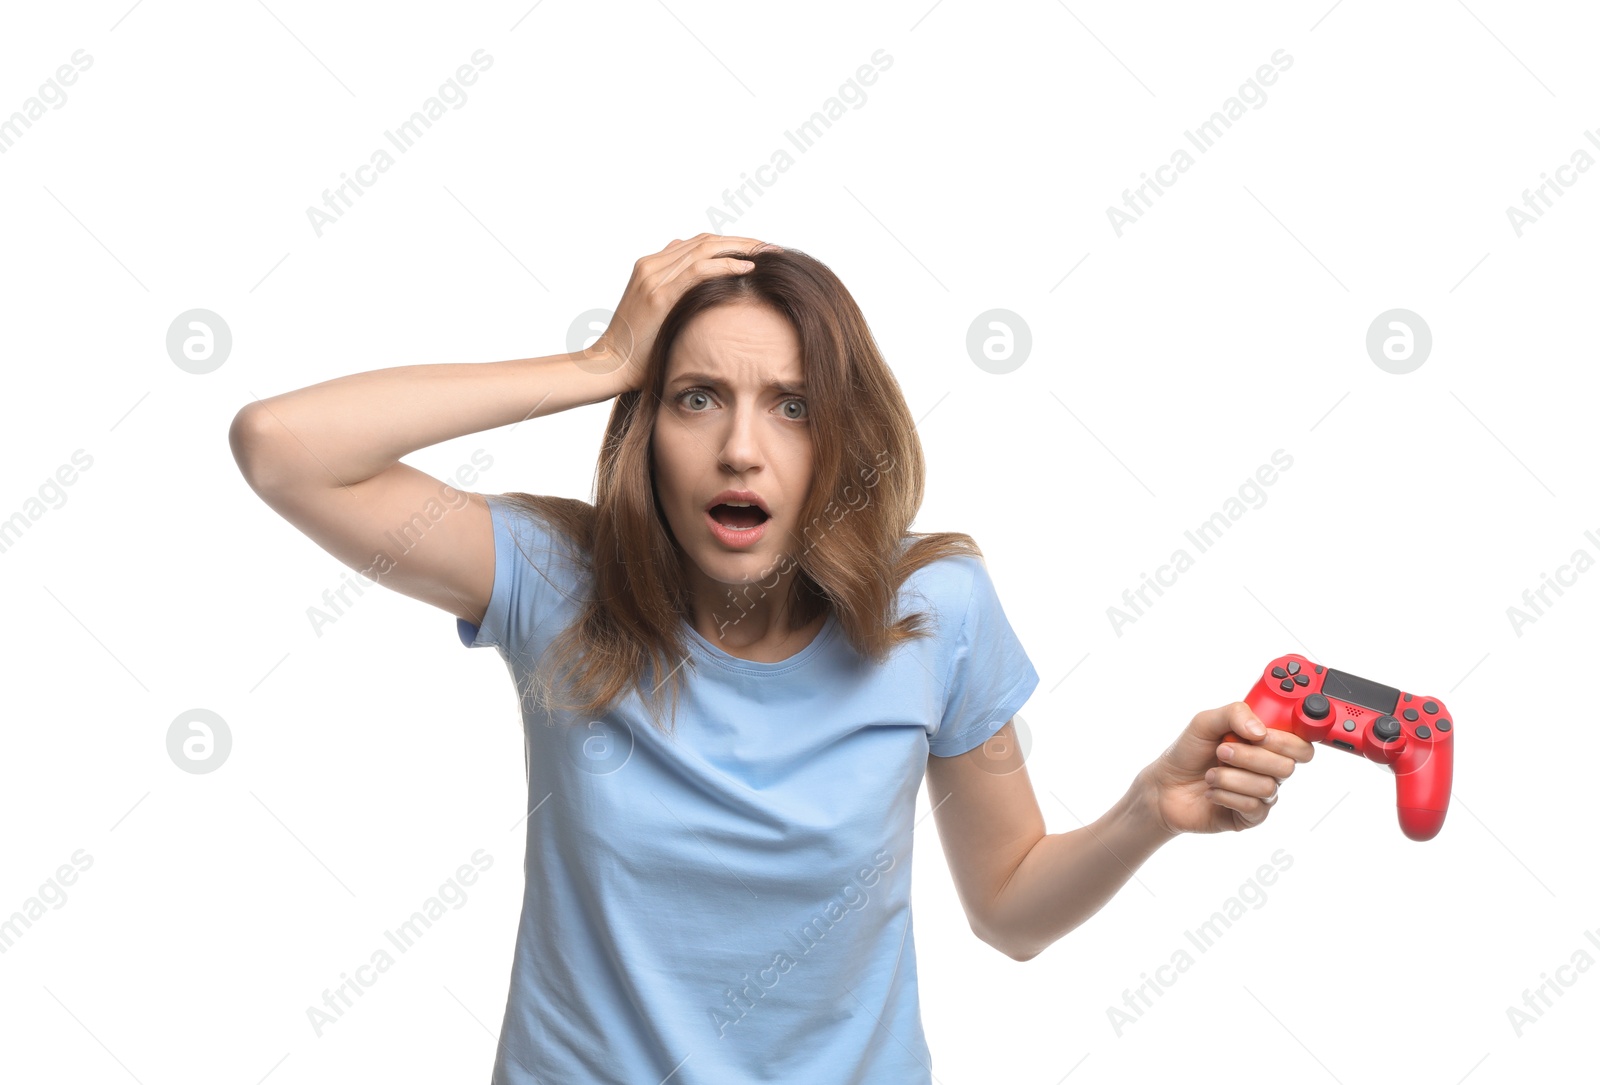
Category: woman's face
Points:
column 722, row 425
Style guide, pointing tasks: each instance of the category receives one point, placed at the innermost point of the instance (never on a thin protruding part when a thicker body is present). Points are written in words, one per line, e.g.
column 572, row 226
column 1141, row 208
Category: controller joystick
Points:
column 1357, row 715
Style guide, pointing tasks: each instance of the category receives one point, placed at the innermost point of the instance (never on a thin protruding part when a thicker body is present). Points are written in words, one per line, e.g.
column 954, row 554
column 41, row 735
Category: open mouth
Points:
column 738, row 517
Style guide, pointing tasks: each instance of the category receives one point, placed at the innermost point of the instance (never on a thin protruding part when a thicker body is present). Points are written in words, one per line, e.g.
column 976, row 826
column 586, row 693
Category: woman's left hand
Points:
column 1203, row 785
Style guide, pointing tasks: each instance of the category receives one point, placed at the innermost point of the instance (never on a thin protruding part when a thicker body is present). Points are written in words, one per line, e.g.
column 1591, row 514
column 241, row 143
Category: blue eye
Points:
column 682, row 396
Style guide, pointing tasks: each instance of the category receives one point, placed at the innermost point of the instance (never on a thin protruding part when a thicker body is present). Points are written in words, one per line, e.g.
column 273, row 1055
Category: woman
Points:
column 719, row 888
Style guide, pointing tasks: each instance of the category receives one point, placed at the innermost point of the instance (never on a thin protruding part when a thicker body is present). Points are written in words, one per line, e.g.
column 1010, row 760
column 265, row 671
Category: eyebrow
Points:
column 706, row 378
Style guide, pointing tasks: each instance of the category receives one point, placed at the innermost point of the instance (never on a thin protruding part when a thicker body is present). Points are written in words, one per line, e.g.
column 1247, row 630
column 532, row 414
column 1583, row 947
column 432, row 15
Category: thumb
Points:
column 1236, row 718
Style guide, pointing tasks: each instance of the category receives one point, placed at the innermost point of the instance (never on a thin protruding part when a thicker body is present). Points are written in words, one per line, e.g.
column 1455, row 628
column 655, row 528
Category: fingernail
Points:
column 1256, row 728
column 1226, row 753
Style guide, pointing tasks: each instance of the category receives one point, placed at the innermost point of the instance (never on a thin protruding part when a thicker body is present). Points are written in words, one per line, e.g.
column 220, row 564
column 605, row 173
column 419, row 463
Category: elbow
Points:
column 996, row 939
column 247, row 439
column 241, row 438
column 1018, row 954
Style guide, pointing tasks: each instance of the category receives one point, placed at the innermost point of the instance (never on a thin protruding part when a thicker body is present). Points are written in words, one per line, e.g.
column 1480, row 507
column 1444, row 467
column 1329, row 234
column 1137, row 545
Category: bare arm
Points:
column 1020, row 887
column 352, row 428
column 1067, row 877
column 1023, row 888
column 327, row 458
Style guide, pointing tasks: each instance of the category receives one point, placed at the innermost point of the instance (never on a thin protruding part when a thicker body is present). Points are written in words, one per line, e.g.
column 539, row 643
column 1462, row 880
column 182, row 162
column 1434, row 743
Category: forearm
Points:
column 348, row 429
column 1067, row 877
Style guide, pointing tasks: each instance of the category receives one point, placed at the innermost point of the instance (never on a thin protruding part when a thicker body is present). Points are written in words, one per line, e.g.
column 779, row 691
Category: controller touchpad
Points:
column 1361, row 691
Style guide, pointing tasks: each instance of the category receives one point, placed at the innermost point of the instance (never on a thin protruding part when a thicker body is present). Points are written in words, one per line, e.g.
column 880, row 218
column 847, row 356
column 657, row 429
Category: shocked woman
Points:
column 737, row 664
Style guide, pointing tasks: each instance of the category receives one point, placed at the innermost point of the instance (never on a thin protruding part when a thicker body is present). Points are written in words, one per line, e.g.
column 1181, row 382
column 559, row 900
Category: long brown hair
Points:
column 854, row 551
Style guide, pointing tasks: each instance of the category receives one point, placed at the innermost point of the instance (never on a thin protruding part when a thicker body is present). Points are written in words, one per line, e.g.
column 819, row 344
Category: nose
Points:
column 740, row 447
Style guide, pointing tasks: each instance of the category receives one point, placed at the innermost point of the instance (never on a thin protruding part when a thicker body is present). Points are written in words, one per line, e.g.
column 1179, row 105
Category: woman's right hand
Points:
column 657, row 282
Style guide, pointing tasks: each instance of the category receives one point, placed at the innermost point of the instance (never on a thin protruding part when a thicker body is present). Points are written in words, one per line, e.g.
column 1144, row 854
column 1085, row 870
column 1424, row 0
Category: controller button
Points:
column 1410, row 714
column 1319, row 670
column 1429, row 707
column 1279, row 672
column 1349, row 725
column 1444, row 725
column 1287, row 685
column 1294, row 668
column 1423, row 732
column 1301, row 680
column 1387, row 728
column 1316, row 706
column 1408, row 696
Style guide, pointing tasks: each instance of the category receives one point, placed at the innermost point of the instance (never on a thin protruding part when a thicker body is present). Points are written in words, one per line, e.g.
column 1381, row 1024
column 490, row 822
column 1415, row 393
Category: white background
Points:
column 1228, row 322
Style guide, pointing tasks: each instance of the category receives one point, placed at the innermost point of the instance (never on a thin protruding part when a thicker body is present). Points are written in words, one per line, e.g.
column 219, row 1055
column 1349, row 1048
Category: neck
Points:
column 748, row 616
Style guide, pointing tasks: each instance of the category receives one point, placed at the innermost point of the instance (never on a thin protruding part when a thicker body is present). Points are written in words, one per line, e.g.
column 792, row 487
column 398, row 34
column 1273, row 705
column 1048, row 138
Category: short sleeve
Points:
column 989, row 678
column 532, row 576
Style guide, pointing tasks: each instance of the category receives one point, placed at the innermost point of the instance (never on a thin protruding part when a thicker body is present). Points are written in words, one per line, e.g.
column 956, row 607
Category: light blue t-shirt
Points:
column 734, row 905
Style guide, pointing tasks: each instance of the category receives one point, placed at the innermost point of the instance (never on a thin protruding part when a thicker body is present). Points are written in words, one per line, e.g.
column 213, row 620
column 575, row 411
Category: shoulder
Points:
column 562, row 524
column 944, row 585
column 543, row 535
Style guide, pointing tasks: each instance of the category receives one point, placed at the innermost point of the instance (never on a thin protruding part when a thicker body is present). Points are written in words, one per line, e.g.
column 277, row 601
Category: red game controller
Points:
column 1339, row 709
